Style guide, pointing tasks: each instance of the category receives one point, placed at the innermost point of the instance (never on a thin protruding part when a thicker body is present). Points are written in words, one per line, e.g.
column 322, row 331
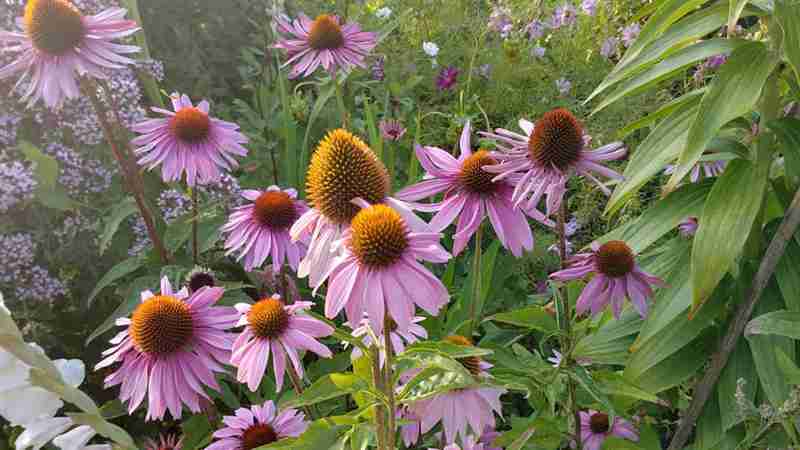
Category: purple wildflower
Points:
column 447, row 78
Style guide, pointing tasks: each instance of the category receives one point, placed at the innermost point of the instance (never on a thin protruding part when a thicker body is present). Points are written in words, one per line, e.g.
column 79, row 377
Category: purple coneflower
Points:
column 256, row 426
column 188, row 140
column 540, row 161
column 164, row 442
column 342, row 168
column 464, row 408
column 702, row 169
column 447, row 78
column 172, row 346
column 595, row 428
column 400, row 338
column 630, row 33
column 616, row 275
column 378, row 269
column 58, row 44
column 470, row 196
column 324, row 42
column 274, row 328
column 261, row 228
column 391, row 129
column 564, row 15
column 609, row 47
column 688, row 227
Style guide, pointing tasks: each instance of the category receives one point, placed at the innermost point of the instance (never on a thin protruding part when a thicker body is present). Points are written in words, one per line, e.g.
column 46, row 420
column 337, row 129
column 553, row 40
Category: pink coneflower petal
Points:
column 188, row 141
column 58, row 44
column 596, row 428
column 256, row 426
column 323, row 42
column 171, row 346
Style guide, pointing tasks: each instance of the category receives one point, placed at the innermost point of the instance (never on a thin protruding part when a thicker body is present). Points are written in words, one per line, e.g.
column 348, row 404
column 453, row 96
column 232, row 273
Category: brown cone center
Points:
column 471, row 363
column 190, row 124
column 557, row 140
column 615, row 259
column 54, row 26
column 161, row 325
column 598, row 423
column 472, row 175
column 275, row 209
column 325, row 33
column 379, row 236
column 258, row 435
column 268, row 318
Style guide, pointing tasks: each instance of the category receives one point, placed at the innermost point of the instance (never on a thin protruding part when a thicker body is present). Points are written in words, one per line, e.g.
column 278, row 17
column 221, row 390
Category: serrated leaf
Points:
column 715, row 250
column 585, row 380
column 120, row 270
column 733, row 93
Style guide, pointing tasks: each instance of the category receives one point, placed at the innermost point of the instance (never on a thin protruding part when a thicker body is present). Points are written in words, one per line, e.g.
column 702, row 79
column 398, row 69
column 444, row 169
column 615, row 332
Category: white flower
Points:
column 38, row 433
column 16, row 390
column 77, row 438
column 430, row 49
column 383, row 12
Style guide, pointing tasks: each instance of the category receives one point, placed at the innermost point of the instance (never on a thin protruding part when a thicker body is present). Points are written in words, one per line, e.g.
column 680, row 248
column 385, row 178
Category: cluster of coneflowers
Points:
column 354, row 238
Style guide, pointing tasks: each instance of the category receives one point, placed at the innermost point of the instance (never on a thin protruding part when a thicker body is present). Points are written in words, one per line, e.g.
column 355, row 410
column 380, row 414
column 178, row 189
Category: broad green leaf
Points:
column 584, row 379
column 56, row 198
column 789, row 368
column 787, row 14
column 736, row 8
column 669, row 67
column 178, row 232
column 119, row 212
column 709, row 425
column 614, row 384
column 676, row 369
column 460, row 312
column 46, row 166
column 787, row 130
column 662, row 218
column 733, row 93
column 768, row 340
column 652, row 44
column 443, row 348
column 723, row 229
column 129, row 303
column 787, row 274
column 662, row 146
column 440, row 376
column 120, row 270
column 197, row 432
column 692, row 97
column 531, row 317
column 777, row 323
column 648, row 440
column 321, row 434
column 330, row 386
column 740, row 366
column 610, row 343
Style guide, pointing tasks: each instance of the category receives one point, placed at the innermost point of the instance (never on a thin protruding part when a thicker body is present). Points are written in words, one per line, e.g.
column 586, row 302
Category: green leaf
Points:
column 673, row 105
column 442, row 348
column 46, row 165
column 669, row 67
column 787, row 130
column 789, row 369
column 787, row 274
column 131, row 300
column 662, row 218
column 321, row 434
column 787, row 14
column 648, row 440
column 323, row 97
column 777, row 323
column 663, row 145
column 610, row 343
column 197, row 432
column 531, row 317
column 178, row 232
column 614, row 384
column 676, row 369
column 120, row 270
column 119, row 212
column 330, row 386
column 733, row 93
column 715, row 250
column 584, row 379
column 736, row 8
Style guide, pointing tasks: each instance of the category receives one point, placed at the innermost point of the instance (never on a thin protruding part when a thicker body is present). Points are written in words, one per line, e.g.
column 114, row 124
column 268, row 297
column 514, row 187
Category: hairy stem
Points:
column 377, row 379
column 476, row 280
column 298, row 388
column 391, row 431
column 195, row 214
column 130, row 175
column 340, row 100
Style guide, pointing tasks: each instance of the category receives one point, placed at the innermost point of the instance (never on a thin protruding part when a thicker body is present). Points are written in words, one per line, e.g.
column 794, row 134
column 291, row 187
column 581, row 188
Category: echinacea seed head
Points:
column 54, row 26
column 342, row 168
column 379, row 236
column 472, row 175
column 615, row 259
column 598, row 423
column 199, row 279
column 268, row 318
column 258, row 435
column 190, row 124
column 161, row 325
column 275, row 209
column 557, row 140
column 325, row 33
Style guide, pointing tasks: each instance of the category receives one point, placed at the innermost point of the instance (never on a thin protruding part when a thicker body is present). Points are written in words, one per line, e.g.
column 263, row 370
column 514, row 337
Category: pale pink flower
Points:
column 256, row 426
column 595, row 429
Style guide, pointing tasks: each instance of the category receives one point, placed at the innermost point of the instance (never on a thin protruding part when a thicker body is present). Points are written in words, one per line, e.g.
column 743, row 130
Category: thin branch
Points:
column 703, row 389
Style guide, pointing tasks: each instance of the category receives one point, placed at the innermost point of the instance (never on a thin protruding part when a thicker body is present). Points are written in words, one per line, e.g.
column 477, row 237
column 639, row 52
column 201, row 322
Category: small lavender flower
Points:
column 17, row 184
column 564, row 86
column 391, row 130
column 500, row 21
column 609, row 47
column 141, row 240
column 9, row 123
column 38, row 285
column 715, row 61
column 79, row 176
column 152, row 67
column 430, row 49
column 447, row 78
column 173, row 204
column 378, row 73
column 571, row 227
column 72, row 225
column 563, row 16
column 538, row 51
column 630, row 34
column 484, row 71
column 589, row 7
column 536, row 29
column 688, row 227
column 17, row 252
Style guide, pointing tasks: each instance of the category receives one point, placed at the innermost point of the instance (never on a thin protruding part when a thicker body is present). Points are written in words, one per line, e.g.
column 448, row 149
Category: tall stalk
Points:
column 378, row 381
column 391, row 431
column 477, row 256
column 298, row 388
column 130, row 175
column 340, row 99
column 195, row 215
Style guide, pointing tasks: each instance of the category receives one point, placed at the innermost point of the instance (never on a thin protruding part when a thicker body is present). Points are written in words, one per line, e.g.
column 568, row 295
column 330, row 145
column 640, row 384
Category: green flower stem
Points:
column 298, row 388
column 391, row 431
column 195, row 216
column 340, row 101
column 391, row 159
column 476, row 279
column 377, row 379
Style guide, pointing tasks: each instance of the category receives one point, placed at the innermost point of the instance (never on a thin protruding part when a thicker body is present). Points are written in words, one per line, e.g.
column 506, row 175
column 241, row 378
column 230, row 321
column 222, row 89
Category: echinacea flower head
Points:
column 539, row 162
column 617, row 275
column 260, row 229
column 379, row 273
column 399, row 338
column 461, row 409
column 172, row 345
column 391, row 129
column 58, row 44
column 324, row 42
column 447, row 78
column 688, row 227
column 470, row 196
column 188, row 140
column 342, row 168
column 270, row 327
column 165, row 442
column 596, row 428
column 253, row 427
